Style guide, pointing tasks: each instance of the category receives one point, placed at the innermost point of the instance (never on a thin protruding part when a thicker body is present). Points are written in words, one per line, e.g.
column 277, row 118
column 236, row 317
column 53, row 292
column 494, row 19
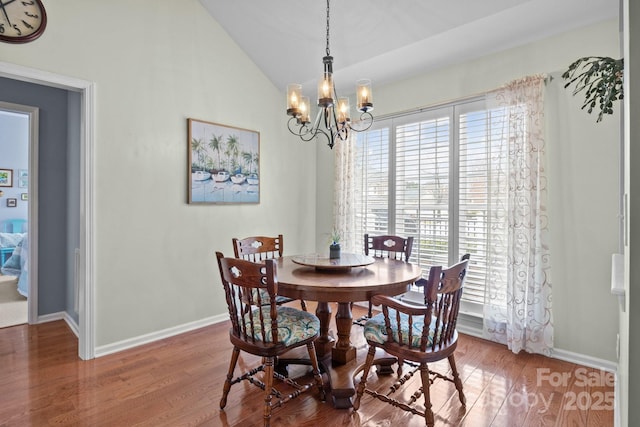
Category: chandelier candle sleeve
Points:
column 343, row 110
column 294, row 95
column 325, row 89
column 365, row 97
column 305, row 107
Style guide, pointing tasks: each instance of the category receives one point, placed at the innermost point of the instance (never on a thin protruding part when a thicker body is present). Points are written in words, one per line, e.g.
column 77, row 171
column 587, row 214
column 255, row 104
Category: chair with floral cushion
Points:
column 421, row 334
column 259, row 248
column 267, row 330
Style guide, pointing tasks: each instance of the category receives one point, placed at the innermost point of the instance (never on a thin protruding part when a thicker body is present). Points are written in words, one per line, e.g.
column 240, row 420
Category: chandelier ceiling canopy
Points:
column 333, row 120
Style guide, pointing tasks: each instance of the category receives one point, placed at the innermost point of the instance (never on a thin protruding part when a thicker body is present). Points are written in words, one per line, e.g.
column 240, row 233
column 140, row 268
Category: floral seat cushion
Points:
column 293, row 325
column 374, row 329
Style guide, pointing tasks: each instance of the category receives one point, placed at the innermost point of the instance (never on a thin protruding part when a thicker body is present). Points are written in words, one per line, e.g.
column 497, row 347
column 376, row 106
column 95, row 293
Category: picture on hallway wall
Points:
column 224, row 163
column 12, row 203
column 23, row 178
column 6, row 177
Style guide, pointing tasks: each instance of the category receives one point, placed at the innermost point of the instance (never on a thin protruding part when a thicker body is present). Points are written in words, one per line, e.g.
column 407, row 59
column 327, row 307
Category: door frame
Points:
column 86, row 270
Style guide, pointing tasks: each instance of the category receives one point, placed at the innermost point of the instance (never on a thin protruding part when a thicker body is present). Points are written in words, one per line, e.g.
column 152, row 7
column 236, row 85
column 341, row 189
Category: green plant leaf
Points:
column 601, row 80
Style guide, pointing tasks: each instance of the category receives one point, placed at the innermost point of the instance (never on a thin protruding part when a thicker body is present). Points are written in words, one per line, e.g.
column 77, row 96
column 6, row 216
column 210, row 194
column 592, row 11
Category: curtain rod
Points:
column 466, row 99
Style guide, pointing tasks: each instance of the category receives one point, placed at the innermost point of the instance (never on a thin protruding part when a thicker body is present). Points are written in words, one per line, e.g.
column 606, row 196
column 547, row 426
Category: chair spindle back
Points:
column 442, row 295
column 240, row 278
column 442, row 292
column 395, row 247
column 258, row 248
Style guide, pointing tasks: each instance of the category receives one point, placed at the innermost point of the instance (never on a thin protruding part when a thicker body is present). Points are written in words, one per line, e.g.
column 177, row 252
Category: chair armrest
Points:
column 421, row 282
column 403, row 307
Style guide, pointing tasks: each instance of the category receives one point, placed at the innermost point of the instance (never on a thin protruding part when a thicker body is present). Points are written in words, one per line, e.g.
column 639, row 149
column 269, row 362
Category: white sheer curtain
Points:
column 517, row 307
column 344, row 214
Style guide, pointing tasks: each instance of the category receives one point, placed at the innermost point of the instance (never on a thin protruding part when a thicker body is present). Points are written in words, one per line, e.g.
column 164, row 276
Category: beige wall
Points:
column 582, row 170
column 156, row 63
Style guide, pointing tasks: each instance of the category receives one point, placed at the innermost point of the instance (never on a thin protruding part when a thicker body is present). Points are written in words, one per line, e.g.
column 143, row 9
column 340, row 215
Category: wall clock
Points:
column 21, row 21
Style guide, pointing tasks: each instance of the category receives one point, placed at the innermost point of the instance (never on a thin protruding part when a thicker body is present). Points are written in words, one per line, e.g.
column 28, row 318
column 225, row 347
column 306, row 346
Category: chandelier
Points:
column 334, row 118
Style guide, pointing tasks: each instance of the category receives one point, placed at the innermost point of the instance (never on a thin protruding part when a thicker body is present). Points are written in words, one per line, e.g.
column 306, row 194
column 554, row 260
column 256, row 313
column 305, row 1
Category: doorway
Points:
column 82, row 96
column 18, row 151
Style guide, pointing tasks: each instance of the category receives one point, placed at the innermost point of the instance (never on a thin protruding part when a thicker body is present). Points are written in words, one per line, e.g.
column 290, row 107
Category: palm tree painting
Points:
column 198, row 149
column 223, row 163
column 216, row 145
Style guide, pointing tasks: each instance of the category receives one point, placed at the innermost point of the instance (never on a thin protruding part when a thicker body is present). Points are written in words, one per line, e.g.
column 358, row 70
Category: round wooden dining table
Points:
column 351, row 278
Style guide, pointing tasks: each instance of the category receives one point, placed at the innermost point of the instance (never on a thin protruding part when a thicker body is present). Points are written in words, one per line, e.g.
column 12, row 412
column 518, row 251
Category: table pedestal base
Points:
column 338, row 358
column 324, row 343
column 339, row 385
column 341, row 388
column 343, row 351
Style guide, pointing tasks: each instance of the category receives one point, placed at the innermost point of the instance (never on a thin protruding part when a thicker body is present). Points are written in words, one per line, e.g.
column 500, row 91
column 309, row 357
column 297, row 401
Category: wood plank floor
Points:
column 178, row 382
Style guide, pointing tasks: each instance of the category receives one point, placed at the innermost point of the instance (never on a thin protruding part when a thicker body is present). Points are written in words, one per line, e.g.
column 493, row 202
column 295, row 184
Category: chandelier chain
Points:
column 328, row 53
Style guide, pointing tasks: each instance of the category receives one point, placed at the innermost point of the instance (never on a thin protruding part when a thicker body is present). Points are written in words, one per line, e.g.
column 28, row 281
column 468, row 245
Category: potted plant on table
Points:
column 334, row 247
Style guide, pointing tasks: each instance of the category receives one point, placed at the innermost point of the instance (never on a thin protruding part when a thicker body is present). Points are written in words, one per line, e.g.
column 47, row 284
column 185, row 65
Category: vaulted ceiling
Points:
column 386, row 40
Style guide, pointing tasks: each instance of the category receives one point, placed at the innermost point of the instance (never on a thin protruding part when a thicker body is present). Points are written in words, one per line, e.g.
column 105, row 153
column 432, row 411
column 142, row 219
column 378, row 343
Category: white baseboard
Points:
column 61, row 315
column 158, row 335
column 51, row 317
column 72, row 324
column 582, row 359
column 471, row 325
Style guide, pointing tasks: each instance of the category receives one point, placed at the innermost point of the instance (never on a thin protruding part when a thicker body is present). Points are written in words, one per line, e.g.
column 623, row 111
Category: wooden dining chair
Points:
column 259, row 248
column 421, row 334
column 267, row 330
column 386, row 246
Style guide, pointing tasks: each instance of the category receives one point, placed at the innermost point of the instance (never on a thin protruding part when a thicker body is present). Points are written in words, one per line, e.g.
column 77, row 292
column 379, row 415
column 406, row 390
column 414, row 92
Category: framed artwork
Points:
column 23, row 178
column 24, row 196
column 223, row 163
column 12, row 203
column 6, row 177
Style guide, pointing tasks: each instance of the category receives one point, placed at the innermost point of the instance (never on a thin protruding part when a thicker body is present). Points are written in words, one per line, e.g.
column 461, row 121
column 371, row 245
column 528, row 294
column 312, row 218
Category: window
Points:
column 427, row 175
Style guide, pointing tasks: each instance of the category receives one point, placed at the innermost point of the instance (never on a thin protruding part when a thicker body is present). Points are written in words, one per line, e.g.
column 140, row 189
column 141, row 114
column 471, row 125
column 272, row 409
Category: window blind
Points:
column 422, row 186
column 428, row 175
column 473, row 185
column 372, row 178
